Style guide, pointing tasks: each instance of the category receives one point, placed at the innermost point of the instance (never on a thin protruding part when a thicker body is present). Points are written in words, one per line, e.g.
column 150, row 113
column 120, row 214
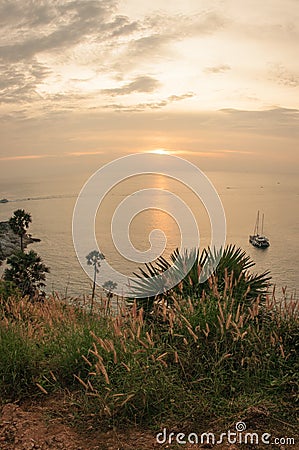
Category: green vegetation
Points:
column 231, row 275
column 199, row 352
column 8, row 289
column 27, row 272
column 19, row 223
column 198, row 359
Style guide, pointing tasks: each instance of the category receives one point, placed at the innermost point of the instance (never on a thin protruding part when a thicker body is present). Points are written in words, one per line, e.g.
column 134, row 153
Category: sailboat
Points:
column 257, row 239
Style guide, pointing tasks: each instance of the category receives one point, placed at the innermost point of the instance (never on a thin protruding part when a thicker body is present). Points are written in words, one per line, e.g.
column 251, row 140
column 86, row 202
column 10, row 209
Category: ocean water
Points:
column 51, row 201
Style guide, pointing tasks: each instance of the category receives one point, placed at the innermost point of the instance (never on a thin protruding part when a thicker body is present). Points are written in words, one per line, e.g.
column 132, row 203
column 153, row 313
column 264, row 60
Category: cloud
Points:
column 161, row 32
column 45, row 26
column 217, row 69
column 34, row 32
column 260, row 139
column 282, row 75
column 152, row 46
column 23, row 157
column 274, row 121
column 139, row 84
column 154, row 105
column 18, row 81
column 39, row 156
column 175, row 98
column 210, row 154
column 87, row 153
column 61, row 55
column 277, row 113
column 44, row 44
column 121, row 26
column 137, row 107
column 182, row 25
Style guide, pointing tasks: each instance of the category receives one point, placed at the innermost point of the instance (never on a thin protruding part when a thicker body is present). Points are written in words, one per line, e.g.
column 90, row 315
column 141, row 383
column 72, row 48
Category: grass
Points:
column 197, row 361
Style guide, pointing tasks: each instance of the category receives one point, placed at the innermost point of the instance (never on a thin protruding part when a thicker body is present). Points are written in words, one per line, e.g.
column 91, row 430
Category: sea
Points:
column 51, row 198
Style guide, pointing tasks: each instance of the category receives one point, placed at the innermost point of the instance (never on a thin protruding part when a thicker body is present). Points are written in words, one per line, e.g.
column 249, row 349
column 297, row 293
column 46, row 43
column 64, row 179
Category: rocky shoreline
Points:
column 10, row 242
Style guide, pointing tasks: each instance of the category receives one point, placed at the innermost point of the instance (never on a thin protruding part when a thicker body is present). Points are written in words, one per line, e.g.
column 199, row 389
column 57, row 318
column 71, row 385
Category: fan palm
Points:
column 231, row 276
column 19, row 223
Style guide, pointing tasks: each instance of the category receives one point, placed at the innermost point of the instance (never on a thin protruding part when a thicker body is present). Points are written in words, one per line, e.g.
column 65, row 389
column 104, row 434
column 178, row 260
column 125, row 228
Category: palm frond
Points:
column 190, row 274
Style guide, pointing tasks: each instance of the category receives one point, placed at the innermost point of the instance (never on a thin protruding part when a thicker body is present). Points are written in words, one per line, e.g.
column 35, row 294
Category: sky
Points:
column 215, row 81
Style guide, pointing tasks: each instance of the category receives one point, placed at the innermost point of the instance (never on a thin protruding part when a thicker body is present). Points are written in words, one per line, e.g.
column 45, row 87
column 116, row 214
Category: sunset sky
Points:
column 216, row 81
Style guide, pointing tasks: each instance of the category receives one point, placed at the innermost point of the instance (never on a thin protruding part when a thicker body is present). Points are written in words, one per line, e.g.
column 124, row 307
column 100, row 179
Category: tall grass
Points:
column 192, row 361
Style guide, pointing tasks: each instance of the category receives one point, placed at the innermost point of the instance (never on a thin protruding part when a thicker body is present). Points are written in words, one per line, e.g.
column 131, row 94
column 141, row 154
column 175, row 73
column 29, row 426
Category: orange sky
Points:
column 216, row 81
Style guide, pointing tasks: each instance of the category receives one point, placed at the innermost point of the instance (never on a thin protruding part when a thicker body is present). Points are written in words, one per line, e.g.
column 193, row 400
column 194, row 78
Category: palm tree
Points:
column 231, row 276
column 94, row 259
column 19, row 223
column 109, row 286
column 27, row 272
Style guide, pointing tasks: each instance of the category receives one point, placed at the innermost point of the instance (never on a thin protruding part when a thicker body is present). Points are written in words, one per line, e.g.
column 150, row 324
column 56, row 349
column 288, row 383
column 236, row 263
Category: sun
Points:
column 160, row 151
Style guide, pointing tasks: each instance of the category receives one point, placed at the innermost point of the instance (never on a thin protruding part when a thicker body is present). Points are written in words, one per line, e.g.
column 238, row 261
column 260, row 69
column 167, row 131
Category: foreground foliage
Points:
column 27, row 272
column 208, row 273
column 198, row 359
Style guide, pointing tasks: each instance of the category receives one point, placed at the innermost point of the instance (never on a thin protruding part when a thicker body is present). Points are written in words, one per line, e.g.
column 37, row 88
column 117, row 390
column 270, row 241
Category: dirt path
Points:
column 23, row 429
column 46, row 426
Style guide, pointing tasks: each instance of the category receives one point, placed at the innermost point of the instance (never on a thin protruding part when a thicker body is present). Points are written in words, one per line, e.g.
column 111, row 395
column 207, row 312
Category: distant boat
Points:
column 4, row 200
column 258, row 239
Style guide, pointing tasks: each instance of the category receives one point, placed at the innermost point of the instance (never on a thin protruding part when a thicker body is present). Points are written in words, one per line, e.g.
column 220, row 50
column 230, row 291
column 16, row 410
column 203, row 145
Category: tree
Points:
column 27, row 272
column 94, row 259
column 19, row 223
column 109, row 286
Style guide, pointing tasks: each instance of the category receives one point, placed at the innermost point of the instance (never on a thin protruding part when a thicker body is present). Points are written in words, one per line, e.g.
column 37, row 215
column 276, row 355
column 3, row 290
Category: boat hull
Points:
column 259, row 241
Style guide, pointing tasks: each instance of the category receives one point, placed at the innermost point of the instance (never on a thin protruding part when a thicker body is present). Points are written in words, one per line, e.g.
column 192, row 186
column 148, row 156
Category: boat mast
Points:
column 256, row 229
column 263, row 225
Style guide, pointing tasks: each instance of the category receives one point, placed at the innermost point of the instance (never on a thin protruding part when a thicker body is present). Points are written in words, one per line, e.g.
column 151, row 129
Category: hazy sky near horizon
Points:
column 214, row 80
